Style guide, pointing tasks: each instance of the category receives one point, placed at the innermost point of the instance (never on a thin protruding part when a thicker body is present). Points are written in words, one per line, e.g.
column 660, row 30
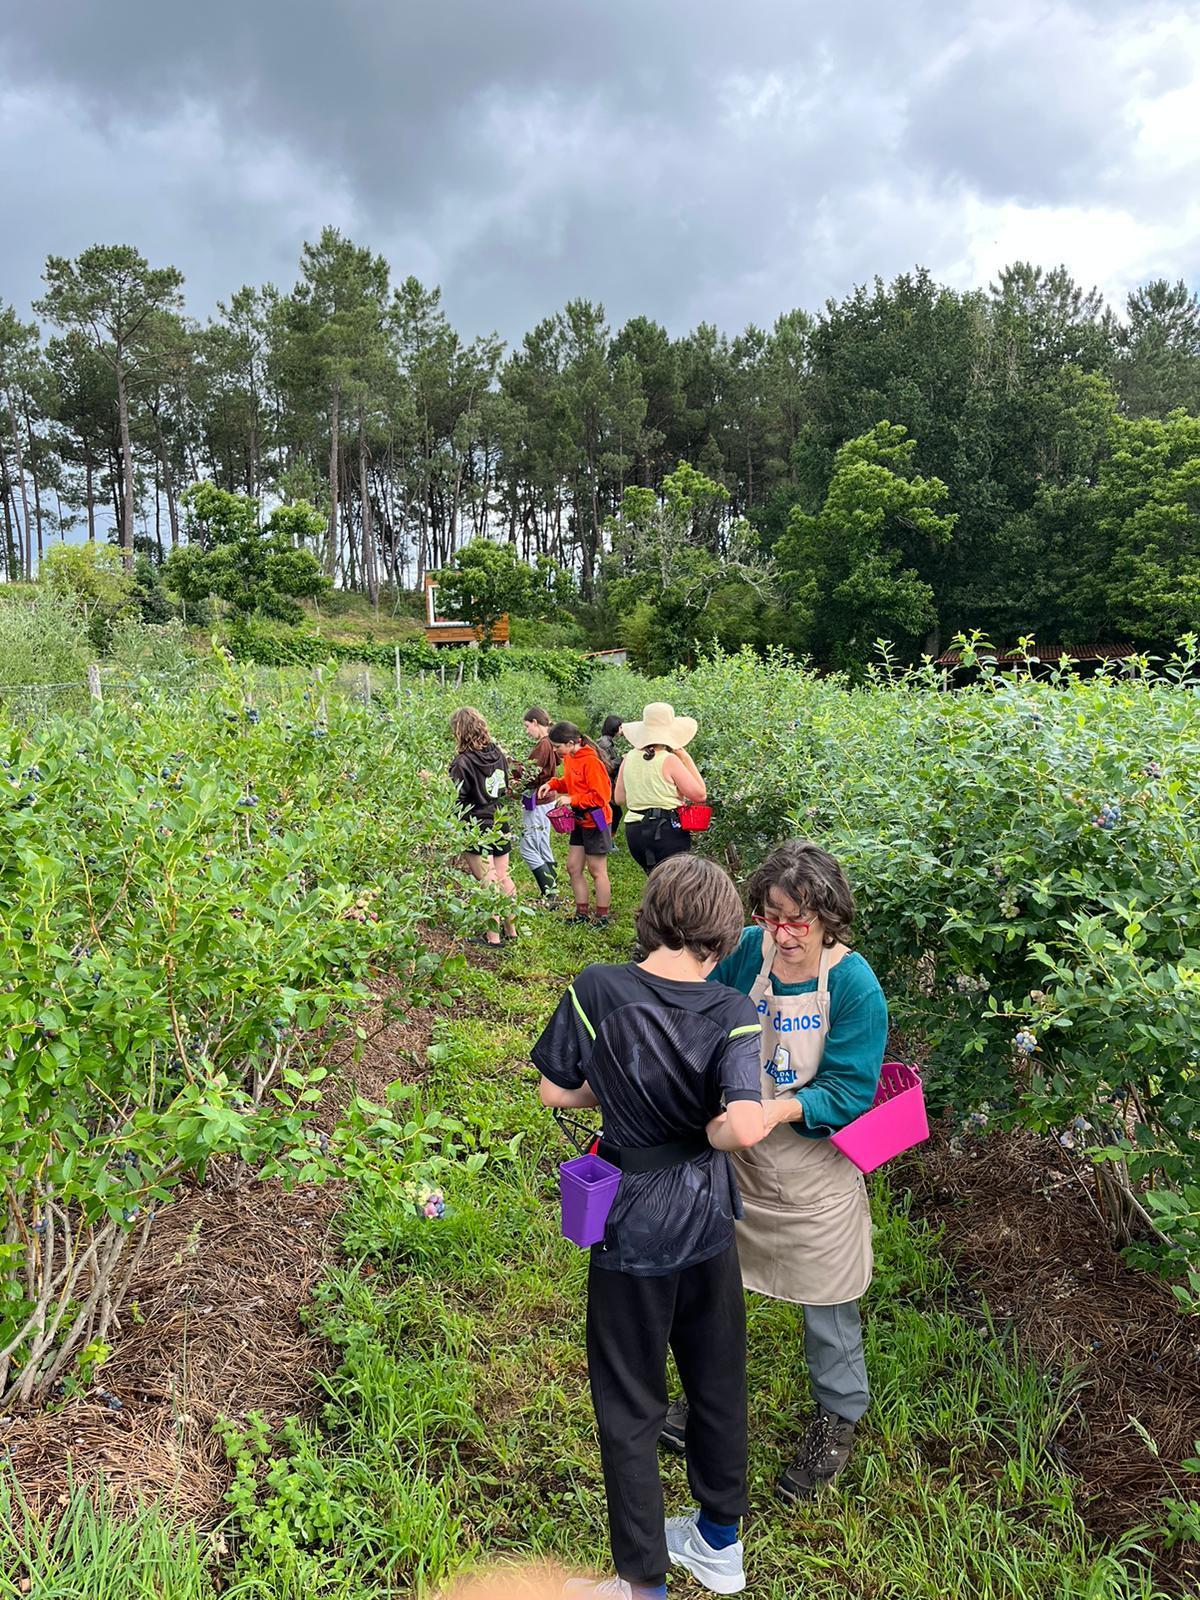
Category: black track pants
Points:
column 700, row 1315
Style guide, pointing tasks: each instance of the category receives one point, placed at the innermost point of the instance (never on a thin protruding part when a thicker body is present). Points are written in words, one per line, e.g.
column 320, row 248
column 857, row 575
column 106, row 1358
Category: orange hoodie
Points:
column 586, row 784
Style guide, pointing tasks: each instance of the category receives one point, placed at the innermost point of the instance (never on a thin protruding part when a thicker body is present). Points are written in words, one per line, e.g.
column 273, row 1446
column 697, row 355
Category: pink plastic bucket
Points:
column 587, row 1186
column 895, row 1123
column 562, row 819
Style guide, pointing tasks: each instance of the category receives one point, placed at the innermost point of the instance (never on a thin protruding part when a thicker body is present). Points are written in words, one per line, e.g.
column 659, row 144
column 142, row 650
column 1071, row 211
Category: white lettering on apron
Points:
column 806, row 1234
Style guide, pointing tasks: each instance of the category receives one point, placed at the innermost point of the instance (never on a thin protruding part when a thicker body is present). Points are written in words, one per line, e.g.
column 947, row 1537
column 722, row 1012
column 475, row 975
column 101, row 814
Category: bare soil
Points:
column 1027, row 1239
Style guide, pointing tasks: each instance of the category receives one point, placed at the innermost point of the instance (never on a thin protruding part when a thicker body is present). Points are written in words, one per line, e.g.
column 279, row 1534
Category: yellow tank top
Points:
column 645, row 787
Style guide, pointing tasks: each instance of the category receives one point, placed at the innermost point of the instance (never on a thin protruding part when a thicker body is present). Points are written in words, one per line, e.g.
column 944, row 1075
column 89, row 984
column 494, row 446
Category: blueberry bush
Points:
column 1025, row 854
column 196, row 888
column 567, row 670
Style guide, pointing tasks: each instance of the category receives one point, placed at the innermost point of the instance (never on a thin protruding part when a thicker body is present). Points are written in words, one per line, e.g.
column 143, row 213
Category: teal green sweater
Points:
column 845, row 1084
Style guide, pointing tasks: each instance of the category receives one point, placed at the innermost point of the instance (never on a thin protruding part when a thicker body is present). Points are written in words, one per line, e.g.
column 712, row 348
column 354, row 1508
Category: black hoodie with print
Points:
column 482, row 779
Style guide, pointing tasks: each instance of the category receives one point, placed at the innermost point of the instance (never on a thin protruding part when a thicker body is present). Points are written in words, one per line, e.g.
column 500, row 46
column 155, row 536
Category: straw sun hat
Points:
column 660, row 725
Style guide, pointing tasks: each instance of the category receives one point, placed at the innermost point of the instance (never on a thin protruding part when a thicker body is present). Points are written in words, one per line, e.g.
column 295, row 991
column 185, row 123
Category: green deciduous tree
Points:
column 489, row 581
column 93, row 577
column 679, row 568
column 255, row 571
column 849, row 572
column 1148, row 512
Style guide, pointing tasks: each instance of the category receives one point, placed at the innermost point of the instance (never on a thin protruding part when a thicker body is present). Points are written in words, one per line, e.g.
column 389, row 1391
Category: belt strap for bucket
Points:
column 653, row 1157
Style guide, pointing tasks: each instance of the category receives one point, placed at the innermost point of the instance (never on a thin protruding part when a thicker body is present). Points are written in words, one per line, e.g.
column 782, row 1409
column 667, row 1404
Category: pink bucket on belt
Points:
column 895, row 1123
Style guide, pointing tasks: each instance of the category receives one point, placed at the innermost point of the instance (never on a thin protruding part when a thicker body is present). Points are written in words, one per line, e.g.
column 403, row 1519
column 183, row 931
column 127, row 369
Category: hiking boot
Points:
column 602, row 919
column 674, row 1429
column 824, row 1451
column 722, row 1571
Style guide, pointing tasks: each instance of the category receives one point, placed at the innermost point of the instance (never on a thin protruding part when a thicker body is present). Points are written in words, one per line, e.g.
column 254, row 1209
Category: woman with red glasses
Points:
column 806, row 1233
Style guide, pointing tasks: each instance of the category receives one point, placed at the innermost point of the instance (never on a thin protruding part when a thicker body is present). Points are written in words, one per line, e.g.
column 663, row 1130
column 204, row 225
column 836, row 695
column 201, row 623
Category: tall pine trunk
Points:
column 335, row 405
column 90, row 482
column 37, row 488
column 370, row 567
column 26, row 524
column 168, row 481
column 11, row 560
column 126, row 469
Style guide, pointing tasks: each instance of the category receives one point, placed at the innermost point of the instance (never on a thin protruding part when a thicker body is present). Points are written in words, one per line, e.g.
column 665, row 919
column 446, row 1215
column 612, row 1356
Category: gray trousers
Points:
column 837, row 1363
column 534, row 843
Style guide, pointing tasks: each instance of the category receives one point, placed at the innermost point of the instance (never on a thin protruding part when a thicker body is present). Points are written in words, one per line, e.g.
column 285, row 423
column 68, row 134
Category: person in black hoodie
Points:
column 480, row 769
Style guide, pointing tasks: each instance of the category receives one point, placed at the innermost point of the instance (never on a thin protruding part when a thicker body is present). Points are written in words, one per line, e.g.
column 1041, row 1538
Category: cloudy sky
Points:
column 718, row 160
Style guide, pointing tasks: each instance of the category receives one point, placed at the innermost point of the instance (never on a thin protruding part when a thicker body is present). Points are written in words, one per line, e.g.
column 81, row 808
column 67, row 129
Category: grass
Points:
column 348, row 618
column 458, row 1427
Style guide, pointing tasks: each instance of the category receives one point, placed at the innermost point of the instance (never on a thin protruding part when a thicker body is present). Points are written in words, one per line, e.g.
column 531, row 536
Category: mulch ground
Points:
column 1026, row 1239
column 213, row 1324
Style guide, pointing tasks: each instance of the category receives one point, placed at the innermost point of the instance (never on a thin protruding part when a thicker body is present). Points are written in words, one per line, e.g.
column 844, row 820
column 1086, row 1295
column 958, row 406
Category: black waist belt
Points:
column 653, row 1157
column 656, row 813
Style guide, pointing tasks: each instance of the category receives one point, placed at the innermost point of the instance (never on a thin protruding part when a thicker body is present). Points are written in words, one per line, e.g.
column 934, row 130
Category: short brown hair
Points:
column 690, row 904
column 814, row 880
column 536, row 714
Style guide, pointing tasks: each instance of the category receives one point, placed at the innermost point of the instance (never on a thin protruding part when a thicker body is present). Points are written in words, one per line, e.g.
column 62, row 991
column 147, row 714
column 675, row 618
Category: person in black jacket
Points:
column 673, row 1064
column 480, row 769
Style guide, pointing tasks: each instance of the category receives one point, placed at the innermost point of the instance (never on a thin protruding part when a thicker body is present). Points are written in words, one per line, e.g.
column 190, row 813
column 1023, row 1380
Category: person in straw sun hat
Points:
column 656, row 778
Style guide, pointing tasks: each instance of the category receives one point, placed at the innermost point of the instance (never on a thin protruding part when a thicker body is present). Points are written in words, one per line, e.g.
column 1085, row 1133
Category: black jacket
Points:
column 482, row 779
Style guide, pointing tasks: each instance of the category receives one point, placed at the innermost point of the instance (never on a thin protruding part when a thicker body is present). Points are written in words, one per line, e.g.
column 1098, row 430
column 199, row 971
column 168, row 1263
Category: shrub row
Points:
column 568, row 670
column 194, row 890
column 1025, row 857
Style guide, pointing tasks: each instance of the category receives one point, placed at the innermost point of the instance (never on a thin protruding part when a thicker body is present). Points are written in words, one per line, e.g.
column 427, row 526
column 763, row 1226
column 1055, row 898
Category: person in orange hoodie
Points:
column 588, row 788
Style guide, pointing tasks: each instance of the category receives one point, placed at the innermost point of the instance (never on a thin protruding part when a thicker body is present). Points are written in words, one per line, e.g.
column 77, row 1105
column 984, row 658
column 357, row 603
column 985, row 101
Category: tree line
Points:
column 911, row 460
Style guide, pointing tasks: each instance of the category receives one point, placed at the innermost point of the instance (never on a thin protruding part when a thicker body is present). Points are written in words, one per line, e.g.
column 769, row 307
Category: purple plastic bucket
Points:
column 588, row 1186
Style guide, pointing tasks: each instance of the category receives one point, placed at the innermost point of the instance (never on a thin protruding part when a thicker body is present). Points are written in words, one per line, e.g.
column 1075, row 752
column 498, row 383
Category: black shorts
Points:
column 500, row 848
column 594, row 841
column 655, row 839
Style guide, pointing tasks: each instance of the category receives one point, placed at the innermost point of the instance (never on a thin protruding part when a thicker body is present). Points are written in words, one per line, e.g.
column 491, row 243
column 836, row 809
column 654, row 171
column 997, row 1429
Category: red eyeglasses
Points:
column 800, row 929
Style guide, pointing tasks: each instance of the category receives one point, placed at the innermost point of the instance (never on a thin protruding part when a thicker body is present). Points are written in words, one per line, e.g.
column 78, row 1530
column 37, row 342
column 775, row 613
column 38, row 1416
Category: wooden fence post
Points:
column 366, row 687
column 458, row 680
column 397, row 672
column 94, row 689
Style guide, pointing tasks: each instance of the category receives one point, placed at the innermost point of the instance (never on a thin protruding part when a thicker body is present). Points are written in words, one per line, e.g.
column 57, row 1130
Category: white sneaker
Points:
column 722, row 1571
column 593, row 1589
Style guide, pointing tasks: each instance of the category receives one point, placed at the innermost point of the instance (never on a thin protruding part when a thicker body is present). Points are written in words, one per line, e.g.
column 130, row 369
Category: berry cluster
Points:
column 1110, row 815
column 1025, row 1042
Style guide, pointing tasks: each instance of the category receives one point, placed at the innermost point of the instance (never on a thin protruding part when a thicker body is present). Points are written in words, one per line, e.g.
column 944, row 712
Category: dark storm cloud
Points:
column 689, row 160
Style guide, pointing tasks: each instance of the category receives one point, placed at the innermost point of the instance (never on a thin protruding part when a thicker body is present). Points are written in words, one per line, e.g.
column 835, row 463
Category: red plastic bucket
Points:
column 895, row 1123
column 695, row 819
column 562, row 819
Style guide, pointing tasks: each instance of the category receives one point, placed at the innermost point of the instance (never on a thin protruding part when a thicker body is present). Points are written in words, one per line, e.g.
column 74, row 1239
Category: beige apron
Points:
column 806, row 1234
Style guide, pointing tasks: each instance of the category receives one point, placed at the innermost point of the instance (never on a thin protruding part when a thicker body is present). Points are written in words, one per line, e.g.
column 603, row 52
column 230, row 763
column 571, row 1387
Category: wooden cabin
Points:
column 446, row 630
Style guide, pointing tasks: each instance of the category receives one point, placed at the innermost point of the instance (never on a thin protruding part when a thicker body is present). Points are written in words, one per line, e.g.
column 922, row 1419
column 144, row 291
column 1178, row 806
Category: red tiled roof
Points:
column 1052, row 653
